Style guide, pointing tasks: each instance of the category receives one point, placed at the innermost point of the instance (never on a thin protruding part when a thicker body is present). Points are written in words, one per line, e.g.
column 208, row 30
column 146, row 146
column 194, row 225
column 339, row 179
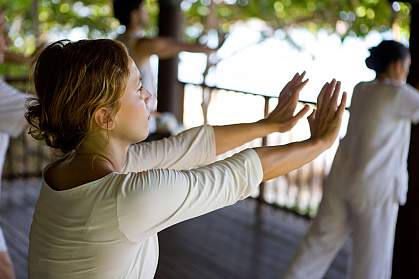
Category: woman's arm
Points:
column 18, row 58
column 198, row 146
column 281, row 119
column 165, row 47
column 151, row 201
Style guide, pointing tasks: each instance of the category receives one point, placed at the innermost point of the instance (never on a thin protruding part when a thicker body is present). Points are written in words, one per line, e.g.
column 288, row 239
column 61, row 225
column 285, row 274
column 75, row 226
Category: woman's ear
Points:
column 104, row 119
column 402, row 69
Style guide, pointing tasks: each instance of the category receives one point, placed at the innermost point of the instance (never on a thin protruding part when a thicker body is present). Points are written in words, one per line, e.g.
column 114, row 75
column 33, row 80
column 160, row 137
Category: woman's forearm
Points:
column 16, row 58
column 231, row 136
column 279, row 160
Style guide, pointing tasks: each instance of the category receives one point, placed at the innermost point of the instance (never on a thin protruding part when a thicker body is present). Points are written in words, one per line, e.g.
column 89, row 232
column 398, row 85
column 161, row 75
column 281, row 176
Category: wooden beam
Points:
column 406, row 246
column 170, row 97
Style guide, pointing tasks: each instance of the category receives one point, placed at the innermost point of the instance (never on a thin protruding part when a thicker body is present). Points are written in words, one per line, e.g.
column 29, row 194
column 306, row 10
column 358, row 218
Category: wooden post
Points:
column 35, row 19
column 169, row 97
column 406, row 246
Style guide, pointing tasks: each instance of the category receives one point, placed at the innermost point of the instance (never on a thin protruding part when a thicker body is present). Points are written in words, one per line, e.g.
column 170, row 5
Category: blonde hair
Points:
column 72, row 80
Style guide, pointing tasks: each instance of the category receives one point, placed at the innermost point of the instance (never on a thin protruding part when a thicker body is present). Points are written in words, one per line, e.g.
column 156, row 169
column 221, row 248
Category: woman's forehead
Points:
column 134, row 72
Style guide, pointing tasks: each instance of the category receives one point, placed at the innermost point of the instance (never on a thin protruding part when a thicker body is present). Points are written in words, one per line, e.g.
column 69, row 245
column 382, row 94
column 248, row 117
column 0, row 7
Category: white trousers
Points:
column 4, row 143
column 372, row 232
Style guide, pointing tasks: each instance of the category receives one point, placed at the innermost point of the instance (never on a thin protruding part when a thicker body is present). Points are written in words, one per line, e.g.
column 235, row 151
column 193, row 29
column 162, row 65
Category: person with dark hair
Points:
column 133, row 15
column 368, row 178
column 102, row 204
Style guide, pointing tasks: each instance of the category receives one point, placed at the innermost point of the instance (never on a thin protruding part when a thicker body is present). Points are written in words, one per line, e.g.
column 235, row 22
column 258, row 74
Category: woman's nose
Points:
column 151, row 101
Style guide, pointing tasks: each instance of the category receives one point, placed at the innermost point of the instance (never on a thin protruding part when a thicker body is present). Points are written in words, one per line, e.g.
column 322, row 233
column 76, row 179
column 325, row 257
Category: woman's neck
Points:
column 386, row 77
column 113, row 155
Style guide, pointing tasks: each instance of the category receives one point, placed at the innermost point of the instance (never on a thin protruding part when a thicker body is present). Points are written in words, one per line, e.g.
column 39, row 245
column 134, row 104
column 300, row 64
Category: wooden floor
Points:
column 238, row 242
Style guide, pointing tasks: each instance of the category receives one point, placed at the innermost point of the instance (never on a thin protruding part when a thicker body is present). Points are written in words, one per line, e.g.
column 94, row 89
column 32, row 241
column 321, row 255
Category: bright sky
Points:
column 266, row 67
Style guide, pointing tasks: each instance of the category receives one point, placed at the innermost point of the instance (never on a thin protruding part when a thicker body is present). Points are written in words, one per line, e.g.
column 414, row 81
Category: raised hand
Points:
column 325, row 121
column 283, row 115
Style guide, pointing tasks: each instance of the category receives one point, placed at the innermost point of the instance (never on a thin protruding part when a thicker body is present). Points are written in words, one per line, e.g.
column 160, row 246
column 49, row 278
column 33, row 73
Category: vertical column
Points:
column 170, row 98
column 406, row 246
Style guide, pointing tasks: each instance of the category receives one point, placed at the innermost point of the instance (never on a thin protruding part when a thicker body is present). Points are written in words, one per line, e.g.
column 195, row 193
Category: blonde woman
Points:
column 102, row 205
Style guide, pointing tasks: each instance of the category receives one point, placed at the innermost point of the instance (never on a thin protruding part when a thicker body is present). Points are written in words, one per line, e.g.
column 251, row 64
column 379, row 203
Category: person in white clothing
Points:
column 133, row 15
column 102, row 204
column 12, row 123
column 368, row 178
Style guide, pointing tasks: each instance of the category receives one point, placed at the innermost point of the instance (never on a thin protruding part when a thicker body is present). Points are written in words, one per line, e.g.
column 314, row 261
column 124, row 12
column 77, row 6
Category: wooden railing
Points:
column 299, row 191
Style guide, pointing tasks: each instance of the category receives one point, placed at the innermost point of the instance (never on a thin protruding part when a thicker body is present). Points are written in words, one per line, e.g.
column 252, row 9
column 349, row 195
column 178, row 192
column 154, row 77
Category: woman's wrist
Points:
column 319, row 143
column 268, row 126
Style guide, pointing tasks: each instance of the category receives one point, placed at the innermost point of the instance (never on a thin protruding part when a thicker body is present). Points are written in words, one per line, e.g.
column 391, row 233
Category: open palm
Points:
column 325, row 121
column 283, row 115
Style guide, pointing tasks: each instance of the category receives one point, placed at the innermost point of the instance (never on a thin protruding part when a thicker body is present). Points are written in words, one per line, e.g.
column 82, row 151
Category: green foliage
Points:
column 28, row 25
column 346, row 17
column 94, row 17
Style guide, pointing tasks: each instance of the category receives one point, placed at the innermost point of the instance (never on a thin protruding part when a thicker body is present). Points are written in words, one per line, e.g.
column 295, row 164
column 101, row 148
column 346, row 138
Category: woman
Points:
column 102, row 205
column 368, row 179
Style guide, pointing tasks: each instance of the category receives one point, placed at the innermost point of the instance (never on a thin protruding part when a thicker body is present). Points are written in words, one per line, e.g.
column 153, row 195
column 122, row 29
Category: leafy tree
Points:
column 31, row 21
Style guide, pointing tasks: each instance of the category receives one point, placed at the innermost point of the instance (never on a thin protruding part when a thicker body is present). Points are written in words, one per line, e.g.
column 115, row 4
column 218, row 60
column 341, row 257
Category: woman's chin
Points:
column 142, row 137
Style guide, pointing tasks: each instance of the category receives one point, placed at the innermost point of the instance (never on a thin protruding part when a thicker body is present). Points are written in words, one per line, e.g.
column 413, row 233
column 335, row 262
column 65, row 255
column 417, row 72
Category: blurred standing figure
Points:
column 368, row 179
column 134, row 17
column 12, row 123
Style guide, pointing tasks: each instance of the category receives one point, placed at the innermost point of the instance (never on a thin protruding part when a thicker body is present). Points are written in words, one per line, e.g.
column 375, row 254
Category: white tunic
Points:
column 371, row 161
column 12, row 110
column 108, row 228
column 12, row 123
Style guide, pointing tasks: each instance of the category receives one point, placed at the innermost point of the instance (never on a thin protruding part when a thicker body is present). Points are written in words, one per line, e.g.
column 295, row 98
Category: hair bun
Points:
column 384, row 54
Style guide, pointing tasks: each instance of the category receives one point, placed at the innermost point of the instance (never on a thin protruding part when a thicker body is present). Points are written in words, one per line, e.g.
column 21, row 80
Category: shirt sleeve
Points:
column 12, row 110
column 408, row 103
column 189, row 149
column 151, row 201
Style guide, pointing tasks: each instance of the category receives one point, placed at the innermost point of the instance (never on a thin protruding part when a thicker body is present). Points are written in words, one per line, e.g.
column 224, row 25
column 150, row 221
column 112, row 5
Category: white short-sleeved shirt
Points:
column 371, row 162
column 12, row 123
column 108, row 228
column 12, row 110
column 12, row 116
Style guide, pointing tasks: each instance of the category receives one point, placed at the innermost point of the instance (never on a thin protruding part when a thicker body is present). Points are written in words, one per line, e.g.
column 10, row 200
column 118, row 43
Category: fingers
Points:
column 289, row 84
column 295, row 85
column 320, row 98
column 295, row 93
column 334, row 100
column 312, row 116
column 327, row 100
column 327, row 97
column 342, row 106
column 302, row 112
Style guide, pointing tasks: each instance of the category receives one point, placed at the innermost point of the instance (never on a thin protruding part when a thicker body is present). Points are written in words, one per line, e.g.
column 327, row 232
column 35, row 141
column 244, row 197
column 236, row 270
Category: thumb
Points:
column 312, row 116
column 302, row 112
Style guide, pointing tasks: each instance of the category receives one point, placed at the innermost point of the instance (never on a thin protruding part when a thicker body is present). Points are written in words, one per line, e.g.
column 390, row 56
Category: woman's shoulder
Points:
column 409, row 88
column 69, row 173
